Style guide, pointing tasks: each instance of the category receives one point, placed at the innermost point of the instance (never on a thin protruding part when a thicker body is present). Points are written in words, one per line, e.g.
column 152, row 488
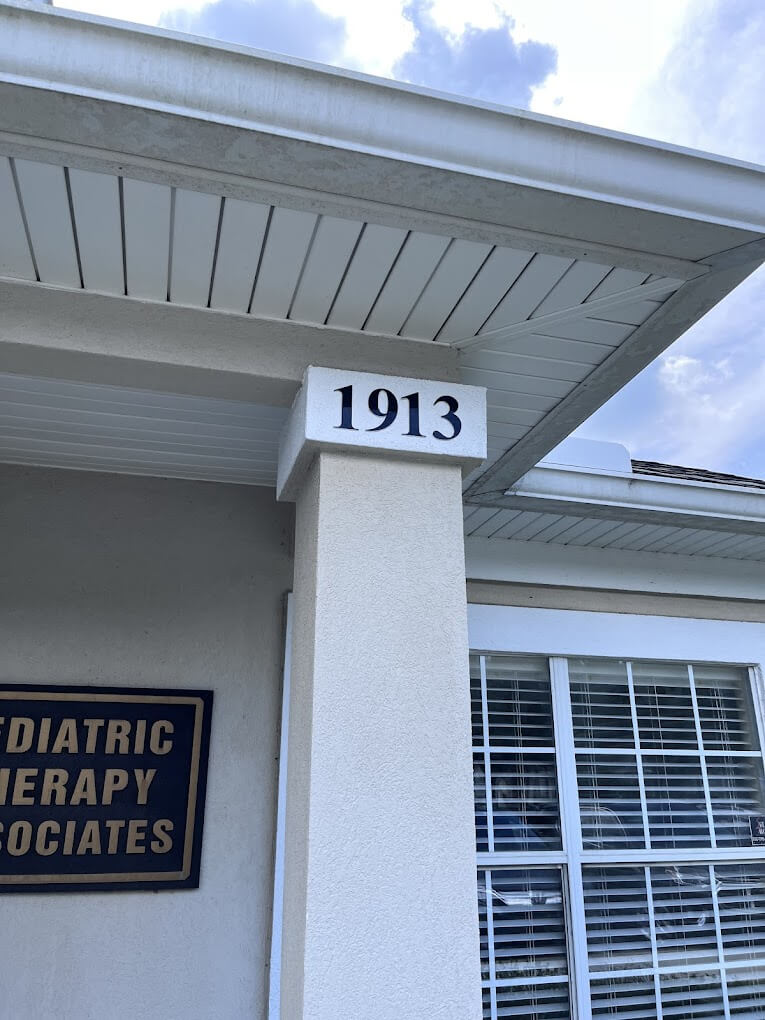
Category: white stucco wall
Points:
column 117, row 580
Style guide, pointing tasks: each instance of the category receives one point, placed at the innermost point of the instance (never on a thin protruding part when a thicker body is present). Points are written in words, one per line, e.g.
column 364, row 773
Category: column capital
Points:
column 402, row 417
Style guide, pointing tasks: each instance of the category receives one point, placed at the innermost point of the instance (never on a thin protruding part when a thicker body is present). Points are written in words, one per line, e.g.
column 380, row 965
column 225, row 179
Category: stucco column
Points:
column 380, row 912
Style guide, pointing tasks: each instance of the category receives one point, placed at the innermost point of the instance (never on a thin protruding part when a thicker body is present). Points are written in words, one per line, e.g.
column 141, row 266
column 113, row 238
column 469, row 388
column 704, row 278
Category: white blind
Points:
column 669, row 782
column 523, row 942
column 726, row 709
column 609, row 799
column 600, row 703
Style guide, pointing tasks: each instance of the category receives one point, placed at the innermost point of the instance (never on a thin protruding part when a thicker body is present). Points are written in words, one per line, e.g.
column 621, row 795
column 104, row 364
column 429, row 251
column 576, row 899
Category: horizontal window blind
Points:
column 658, row 887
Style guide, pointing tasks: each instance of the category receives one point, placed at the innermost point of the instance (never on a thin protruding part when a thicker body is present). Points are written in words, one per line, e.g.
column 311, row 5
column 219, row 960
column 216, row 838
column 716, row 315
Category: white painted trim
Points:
column 567, row 633
column 571, row 831
column 260, row 91
column 275, row 968
column 545, row 563
column 589, row 493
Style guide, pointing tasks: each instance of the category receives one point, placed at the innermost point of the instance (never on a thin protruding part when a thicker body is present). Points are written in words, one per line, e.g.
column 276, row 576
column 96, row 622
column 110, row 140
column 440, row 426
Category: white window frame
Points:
column 558, row 635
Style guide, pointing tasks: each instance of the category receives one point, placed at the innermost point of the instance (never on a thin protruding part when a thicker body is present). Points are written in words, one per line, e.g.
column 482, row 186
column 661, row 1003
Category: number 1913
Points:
column 384, row 405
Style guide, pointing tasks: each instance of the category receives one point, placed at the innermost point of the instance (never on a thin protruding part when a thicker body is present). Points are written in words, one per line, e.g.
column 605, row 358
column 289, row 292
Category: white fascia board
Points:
column 592, row 493
column 44, row 48
column 519, row 562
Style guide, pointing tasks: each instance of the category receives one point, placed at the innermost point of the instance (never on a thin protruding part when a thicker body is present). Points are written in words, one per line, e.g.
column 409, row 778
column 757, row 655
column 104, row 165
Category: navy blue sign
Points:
column 101, row 787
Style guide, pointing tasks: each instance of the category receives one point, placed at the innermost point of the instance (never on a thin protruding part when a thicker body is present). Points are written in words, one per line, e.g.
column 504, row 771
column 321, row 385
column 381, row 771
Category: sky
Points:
column 690, row 72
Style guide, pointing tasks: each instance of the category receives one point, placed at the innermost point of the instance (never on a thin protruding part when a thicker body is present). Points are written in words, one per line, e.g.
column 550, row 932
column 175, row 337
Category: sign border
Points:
column 188, row 877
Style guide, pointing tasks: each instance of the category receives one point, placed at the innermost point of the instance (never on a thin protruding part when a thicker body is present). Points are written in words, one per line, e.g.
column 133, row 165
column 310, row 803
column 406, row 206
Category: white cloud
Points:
column 702, row 402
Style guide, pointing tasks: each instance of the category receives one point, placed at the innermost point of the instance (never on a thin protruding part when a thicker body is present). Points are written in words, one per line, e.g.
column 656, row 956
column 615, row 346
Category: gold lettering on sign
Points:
column 19, row 838
column 85, row 788
column 115, row 826
column 117, row 732
column 90, row 840
column 20, row 735
column 162, row 843
column 44, row 846
column 24, row 787
column 43, row 735
column 54, row 784
column 114, row 780
column 136, row 836
column 156, row 743
column 143, row 780
column 66, row 738
column 92, row 726
column 69, row 838
column 140, row 736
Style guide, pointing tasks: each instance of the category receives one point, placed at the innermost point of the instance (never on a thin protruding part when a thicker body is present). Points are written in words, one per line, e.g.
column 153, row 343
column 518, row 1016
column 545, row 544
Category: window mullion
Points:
column 638, row 756
column 654, row 946
column 702, row 758
column 490, row 940
column 718, row 936
column 487, row 758
column 571, row 831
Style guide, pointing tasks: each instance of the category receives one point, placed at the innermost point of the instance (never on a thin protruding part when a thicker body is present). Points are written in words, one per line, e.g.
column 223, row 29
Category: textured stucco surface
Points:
column 113, row 580
column 380, row 896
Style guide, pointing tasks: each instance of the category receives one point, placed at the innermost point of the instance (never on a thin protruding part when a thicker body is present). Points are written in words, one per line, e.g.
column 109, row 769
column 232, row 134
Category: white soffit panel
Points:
column 96, row 207
column 52, row 423
column 553, row 529
column 650, row 508
column 532, row 326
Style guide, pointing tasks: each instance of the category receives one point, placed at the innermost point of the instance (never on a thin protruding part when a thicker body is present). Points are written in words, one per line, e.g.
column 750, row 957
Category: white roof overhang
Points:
column 563, row 505
column 197, row 207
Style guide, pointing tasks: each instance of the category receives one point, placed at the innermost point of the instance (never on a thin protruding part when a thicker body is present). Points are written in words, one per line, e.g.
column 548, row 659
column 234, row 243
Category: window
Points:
column 621, row 870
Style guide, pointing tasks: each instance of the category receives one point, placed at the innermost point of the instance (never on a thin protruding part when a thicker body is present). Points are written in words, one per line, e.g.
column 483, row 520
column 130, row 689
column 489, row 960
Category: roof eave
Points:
column 642, row 499
column 85, row 58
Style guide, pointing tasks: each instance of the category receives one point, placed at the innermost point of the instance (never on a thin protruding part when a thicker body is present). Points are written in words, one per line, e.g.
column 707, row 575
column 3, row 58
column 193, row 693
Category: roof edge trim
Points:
column 47, row 48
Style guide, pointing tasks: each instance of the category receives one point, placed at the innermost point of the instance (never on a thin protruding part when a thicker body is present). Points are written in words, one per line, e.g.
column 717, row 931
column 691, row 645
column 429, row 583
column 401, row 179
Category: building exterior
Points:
column 284, row 353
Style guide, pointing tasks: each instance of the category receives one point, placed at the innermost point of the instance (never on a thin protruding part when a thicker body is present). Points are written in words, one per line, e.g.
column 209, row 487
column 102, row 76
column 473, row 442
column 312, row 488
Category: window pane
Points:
column 616, row 910
column 677, row 808
column 523, row 920
column 528, row 931
column 519, row 701
column 600, row 703
column 725, row 707
column 609, row 799
column 746, row 994
column 479, row 798
column 664, row 706
column 737, row 792
column 533, row 1002
column 626, row 998
column 741, row 899
column 684, row 916
column 524, row 799
column 696, row 996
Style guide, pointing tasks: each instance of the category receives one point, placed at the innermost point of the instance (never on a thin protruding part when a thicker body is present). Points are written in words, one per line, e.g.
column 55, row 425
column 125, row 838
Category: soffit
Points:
column 668, row 511
column 54, row 423
column 597, row 533
column 531, row 327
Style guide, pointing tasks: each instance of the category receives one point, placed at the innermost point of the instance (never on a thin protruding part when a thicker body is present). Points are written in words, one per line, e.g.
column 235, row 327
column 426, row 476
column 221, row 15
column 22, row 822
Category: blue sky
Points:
column 689, row 72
